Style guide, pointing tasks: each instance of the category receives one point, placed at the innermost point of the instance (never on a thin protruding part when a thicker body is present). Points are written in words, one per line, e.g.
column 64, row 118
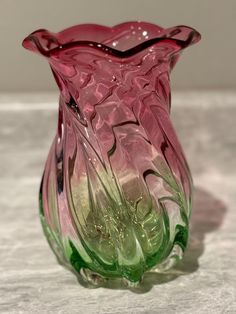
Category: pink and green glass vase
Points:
column 115, row 197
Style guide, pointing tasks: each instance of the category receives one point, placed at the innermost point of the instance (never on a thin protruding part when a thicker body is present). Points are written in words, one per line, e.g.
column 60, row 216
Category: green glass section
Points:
column 122, row 240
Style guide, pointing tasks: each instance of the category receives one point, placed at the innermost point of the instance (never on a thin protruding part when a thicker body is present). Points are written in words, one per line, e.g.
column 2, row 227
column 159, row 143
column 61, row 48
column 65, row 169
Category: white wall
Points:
column 209, row 64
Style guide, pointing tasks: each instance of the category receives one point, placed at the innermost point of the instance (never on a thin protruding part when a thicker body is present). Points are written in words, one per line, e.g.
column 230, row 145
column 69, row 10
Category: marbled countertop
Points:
column 31, row 281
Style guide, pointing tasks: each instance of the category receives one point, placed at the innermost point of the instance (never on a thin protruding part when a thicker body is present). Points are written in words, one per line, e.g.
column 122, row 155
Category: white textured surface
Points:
column 31, row 281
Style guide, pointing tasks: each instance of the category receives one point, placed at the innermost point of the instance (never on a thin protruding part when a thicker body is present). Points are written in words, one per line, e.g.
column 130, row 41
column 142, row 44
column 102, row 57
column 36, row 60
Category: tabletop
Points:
column 31, row 281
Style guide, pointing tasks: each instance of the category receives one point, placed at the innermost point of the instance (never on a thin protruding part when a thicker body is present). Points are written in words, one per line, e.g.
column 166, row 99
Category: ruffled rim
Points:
column 100, row 37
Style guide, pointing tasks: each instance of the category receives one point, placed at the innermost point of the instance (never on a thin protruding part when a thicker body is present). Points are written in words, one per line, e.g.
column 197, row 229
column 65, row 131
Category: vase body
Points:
column 115, row 197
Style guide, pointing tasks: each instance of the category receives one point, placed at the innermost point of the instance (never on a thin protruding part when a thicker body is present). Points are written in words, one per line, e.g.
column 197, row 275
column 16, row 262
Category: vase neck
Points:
column 93, row 82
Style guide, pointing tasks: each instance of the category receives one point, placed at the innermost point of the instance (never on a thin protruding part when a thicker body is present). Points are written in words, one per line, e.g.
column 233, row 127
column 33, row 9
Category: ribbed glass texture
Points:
column 115, row 197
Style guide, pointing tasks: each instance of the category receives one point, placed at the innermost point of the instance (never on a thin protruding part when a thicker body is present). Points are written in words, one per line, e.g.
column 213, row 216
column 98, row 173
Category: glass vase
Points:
column 115, row 196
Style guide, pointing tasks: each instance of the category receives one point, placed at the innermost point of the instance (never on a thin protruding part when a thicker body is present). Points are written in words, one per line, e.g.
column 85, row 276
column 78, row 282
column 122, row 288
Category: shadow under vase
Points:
column 207, row 216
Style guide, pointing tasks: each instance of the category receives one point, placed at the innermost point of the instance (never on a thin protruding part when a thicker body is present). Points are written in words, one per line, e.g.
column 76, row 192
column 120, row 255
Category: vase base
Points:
column 92, row 279
column 175, row 256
